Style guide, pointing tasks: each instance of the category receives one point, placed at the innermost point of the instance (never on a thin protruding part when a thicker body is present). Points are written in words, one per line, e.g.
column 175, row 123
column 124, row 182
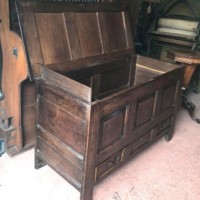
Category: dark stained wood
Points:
column 33, row 42
column 112, row 128
column 108, row 165
column 113, row 34
column 88, row 62
column 90, row 154
column 55, row 44
column 67, row 84
column 62, row 165
column 116, row 77
column 139, row 142
column 94, row 108
column 72, row 31
column 128, row 30
column 72, row 156
column 67, row 102
column 89, row 34
column 73, row 35
column 118, row 125
column 145, row 109
column 169, row 94
column 76, row 128
column 28, row 112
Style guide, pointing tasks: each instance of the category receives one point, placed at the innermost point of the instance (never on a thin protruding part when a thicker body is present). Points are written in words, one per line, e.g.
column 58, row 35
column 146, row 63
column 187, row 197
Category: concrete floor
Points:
column 165, row 171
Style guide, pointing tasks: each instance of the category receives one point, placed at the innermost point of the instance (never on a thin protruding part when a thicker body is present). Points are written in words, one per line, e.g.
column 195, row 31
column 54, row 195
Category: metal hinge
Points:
column 2, row 147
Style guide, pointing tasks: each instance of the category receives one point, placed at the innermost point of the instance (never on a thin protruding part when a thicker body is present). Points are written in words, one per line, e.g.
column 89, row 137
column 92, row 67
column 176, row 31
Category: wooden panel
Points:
column 65, row 126
column 32, row 40
column 89, row 34
column 115, row 79
column 66, row 84
column 72, row 31
column 28, row 106
column 60, row 164
column 112, row 128
column 112, row 31
column 110, row 164
column 67, row 152
column 87, row 62
column 28, row 125
column 28, row 93
column 168, row 97
column 129, row 34
column 72, row 104
column 145, row 109
column 53, row 37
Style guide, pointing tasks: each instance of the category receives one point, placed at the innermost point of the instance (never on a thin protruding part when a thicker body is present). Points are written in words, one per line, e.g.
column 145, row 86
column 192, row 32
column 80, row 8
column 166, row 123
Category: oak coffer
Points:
column 97, row 103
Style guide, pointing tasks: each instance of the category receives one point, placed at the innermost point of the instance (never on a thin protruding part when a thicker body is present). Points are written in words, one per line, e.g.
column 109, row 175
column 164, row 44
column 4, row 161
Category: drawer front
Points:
column 163, row 126
column 109, row 165
column 149, row 136
column 140, row 142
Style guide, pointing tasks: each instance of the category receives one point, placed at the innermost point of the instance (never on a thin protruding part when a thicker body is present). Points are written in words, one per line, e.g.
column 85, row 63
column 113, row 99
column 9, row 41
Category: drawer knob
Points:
column 163, row 127
column 116, row 161
column 141, row 139
column 149, row 85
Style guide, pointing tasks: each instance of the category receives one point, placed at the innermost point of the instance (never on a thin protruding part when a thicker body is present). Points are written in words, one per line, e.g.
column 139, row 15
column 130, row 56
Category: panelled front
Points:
column 137, row 117
column 154, row 101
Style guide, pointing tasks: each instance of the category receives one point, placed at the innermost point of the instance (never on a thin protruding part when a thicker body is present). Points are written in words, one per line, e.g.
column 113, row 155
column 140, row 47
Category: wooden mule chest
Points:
column 98, row 104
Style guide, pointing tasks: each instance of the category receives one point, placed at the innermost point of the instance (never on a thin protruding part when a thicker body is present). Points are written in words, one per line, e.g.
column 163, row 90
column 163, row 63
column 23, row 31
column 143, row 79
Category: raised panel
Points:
column 72, row 31
column 53, row 37
column 32, row 36
column 65, row 126
column 88, row 31
column 113, row 32
column 112, row 128
column 145, row 108
column 116, row 77
column 127, row 25
column 168, row 97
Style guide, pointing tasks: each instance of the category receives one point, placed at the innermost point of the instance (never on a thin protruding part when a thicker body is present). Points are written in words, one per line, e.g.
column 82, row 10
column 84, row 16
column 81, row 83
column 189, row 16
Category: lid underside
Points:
column 57, row 34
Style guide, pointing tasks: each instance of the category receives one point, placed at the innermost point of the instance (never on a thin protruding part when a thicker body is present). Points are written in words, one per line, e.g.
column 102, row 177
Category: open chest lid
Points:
column 65, row 36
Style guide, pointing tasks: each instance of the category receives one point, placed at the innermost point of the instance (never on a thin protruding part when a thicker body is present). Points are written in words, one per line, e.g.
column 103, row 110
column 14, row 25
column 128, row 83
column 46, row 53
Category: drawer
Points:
column 163, row 126
column 109, row 165
column 138, row 143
